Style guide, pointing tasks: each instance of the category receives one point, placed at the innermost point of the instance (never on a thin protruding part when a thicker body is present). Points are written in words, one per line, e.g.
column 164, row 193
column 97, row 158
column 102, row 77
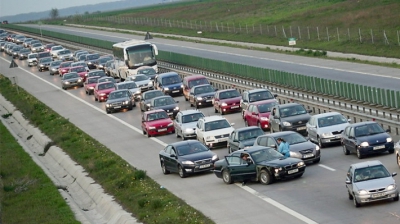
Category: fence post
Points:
column 298, row 27
column 317, row 32
column 386, row 39
column 359, row 33
column 372, row 36
column 337, row 31
column 308, row 31
column 276, row 33
column 327, row 33
column 283, row 30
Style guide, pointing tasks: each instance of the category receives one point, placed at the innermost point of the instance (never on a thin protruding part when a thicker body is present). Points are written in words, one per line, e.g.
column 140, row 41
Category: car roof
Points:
column 151, row 91
column 180, row 143
column 122, row 83
column 120, row 90
column 153, row 111
column 326, row 114
column 225, row 90
column 362, row 123
column 160, row 97
column 167, row 74
column 253, row 149
column 366, row 164
column 263, row 102
column 186, row 112
column 194, row 77
column 288, row 105
column 247, row 128
column 281, row 133
column 202, row 85
column 213, row 118
column 257, row 90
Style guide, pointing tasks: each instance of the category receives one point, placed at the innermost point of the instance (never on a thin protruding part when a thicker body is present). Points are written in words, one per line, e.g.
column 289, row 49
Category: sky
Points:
column 14, row 7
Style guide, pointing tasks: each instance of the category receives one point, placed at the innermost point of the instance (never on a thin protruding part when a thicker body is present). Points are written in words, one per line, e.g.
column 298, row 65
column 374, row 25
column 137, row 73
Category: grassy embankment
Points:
column 131, row 187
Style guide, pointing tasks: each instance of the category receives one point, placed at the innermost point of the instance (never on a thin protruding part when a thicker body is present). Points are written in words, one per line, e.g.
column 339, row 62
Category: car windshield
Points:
column 229, row 94
column 250, row 134
column 147, row 71
column 55, row 63
column 191, row 117
column 157, row 116
column 138, row 78
column 108, row 85
column 92, row 56
column 117, row 95
column 292, row 111
column 261, row 95
column 151, row 95
column 164, row 101
column 96, row 73
column 266, row 107
column 108, row 79
column 65, row 52
column 44, row 60
column 78, row 69
column 266, row 154
column 203, row 89
column 65, row 65
column 32, row 56
column 171, row 80
column 128, row 85
column 56, row 48
column 36, row 45
column 214, row 125
column 71, row 76
column 24, row 50
column 93, row 80
column 78, row 64
column 368, row 129
column 331, row 120
column 370, row 173
column 198, row 82
column 191, row 148
column 292, row 138
column 103, row 60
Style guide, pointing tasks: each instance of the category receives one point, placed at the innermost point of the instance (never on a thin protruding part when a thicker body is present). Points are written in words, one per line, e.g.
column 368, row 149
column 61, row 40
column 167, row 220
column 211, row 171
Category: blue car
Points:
column 366, row 138
column 169, row 83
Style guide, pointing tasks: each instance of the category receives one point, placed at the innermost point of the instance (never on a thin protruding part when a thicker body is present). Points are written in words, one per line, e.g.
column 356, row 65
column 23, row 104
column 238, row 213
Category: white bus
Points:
column 132, row 54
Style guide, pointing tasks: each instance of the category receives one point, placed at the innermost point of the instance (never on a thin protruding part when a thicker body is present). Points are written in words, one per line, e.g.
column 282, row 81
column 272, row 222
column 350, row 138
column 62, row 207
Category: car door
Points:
column 312, row 129
column 349, row 179
column 254, row 115
column 274, row 119
column 169, row 159
column 199, row 130
column 351, row 142
column 240, row 169
column 233, row 141
column 245, row 100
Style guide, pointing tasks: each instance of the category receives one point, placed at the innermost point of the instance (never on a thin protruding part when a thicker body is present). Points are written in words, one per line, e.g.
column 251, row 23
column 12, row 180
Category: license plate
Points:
column 170, row 113
column 293, row 171
column 308, row 155
column 116, row 107
column 378, row 195
column 222, row 140
column 233, row 107
column 204, row 166
column 175, row 91
column 301, row 128
column 162, row 129
column 379, row 147
column 208, row 100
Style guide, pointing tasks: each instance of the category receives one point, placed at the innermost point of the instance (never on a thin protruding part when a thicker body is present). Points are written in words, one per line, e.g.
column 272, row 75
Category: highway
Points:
column 318, row 197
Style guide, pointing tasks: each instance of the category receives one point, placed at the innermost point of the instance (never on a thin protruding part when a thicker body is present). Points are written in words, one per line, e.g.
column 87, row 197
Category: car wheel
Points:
column 144, row 133
column 350, row 196
column 130, row 108
column 320, row 144
column 317, row 160
column 345, row 150
column 391, row 151
column 164, row 169
column 86, row 92
column 191, row 104
column 226, row 177
column 355, row 202
column 246, row 123
column 265, row 177
column 186, row 99
column 148, row 135
column 182, row 172
column 396, row 198
column 359, row 154
column 230, row 150
column 108, row 111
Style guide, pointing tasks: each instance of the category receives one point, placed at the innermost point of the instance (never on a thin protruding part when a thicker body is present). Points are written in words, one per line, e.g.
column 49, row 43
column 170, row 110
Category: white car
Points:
column 32, row 59
column 213, row 131
column 55, row 49
column 143, row 81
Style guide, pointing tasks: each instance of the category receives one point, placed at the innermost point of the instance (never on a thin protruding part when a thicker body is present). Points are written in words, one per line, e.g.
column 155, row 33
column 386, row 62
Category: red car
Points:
column 89, row 84
column 257, row 113
column 227, row 100
column 101, row 91
column 80, row 70
column 156, row 122
column 64, row 68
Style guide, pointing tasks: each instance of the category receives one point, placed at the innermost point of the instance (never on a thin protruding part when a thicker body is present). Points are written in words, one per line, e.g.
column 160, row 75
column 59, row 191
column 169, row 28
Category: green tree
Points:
column 54, row 13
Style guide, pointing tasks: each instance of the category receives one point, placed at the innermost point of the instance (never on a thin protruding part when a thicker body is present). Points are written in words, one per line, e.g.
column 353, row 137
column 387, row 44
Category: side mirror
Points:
column 394, row 174
column 275, row 95
column 309, row 111
column 232, row 124
column 273, row 146
column 177, row 101
column 173, row 156
column 388, row 130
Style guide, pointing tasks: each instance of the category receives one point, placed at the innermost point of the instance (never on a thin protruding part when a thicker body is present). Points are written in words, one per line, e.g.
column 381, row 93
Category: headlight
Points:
column 91, row 87
column 364, row 144
column 391, row 187
column 41, row 65
column 138, row 92
column 126, row 102
column 100, row 66
column 152, row 128
column 150, row 83
column 363, row 192
column 199, row 98
column 86, row 74
column 296, row 154
column 166, row 88
column 209, row 137
column 102, row 94
column 285, row 123
column 300, row 164
column 187, row 162
column 170, row 124
column 215, row 157
column 182, row 86
column 54, row 69
column 278, row 169
column 389, row 139
column 327, row 135
column 33, row 49
column 66, row 83
column 189, row 130
column 224, row 104
column 108, row 105
column 317, row 147
column 148, row 104
column 264, row 119
column 89, row 63
column 79, row 80
column 176, row 108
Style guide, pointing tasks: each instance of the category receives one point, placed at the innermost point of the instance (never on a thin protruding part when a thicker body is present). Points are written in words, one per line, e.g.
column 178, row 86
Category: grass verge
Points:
column 131, row 187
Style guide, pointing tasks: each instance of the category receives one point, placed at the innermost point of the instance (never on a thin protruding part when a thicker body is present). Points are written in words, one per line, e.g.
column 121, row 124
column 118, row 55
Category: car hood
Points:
column 72, row 79
column 91, row 84
column 55, row 67
column 303, row 146
column 266, row 114
column 374, row 184
column 206, row 94
column 161, row 122
column 134, row 90
column 248, row 142
column 231, row 100
column 222, row 131
column 190, row 125
column 197, row 156
column 106, row 90
column 280, row 162
column 118, row 100
column 333, row 128
column 374, row 139
column 174, row 86
column 167, row 107
column 297, row 119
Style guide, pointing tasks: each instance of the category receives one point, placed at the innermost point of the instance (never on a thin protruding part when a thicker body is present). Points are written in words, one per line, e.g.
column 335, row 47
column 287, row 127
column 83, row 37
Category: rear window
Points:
column 197, row 82
column 44, row 54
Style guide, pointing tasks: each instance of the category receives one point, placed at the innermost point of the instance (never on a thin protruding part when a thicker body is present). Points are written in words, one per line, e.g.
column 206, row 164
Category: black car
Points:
column 242, row 138
column 71, row 79
column 264, row 164
column 255, row 95
column 23, row 53
column 289, row 117
column 365, row 138
column 148, row 71
column 201, row 95
column 147, row 97
column 166, row 103
column 93, row 73
column 187, row 157
column 119, row 100
column 90, row 60
column 299, row 146
column 44, row 64
column 101, row 62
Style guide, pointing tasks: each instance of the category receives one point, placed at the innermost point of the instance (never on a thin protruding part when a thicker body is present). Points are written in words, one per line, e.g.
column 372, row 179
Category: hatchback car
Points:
column 187, row 157
column 254, row 95
column 227, row 100
column 370, row 181
column 101, row 91
column 120, row 100
column 90, row 83
column 326, row 128
column 365, row 138
column 146, row 97
column 289, row 117
column 257, row 113
column 185, row 123
column 44, row 64
column 166, row 103
column 156, row 122
column 170, row 83
column 242, row 138
column 201, row 95
column 71, row 80
column 191, row 81
column 213, row 131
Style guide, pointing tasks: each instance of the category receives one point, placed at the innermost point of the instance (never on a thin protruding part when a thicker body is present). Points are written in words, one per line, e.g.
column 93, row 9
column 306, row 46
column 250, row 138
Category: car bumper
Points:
column 103, row 98
column 32, row 62
column 189, row 133
column 231, row 108
column 173, row 92
column 222, row 142
column 264, row 125
column 118, row 108
column 299, row 129
column 382, row 196
column 79, row 84
column 204, row 103
column 162, row 131
column 333, row 139
column 376, row 148
column 289, row 173
column 146, row 88
column 198, row 168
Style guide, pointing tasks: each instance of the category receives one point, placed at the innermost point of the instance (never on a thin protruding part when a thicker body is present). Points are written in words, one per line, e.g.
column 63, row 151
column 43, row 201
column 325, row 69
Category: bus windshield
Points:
column 140, row 55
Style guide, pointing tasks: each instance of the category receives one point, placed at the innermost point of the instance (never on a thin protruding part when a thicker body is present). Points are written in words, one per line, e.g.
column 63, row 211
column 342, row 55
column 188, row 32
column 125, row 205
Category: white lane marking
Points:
column 269, row 59
column 326, row 167
column 278, row 205
column 268, row 200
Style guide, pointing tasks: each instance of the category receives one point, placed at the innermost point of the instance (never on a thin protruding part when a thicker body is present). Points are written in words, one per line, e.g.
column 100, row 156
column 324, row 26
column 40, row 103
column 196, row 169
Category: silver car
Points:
column 131, row 86
column 143, row 81
column 53, row 67
column 71, row 79
column 326, row 128
column 370, row 181
column 185, row 123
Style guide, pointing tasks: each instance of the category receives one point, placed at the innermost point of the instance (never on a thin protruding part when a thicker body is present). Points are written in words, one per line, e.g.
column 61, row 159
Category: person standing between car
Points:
column 283, row 147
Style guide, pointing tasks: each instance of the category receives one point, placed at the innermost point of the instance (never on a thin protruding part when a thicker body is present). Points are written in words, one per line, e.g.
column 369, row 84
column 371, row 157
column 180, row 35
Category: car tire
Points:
column 226, row 177
column 182, row 172
column 345, row 150
column 148, row 135
column 186, row 99
column 164, row 169
column 396, row 198
column 265, row 177
column 108, row 111
column 130, row 107
column 230, row 150
column 86, row 92
column 144, row 133
column 359, row 154
column 390, row 151
column 317, row 160
column 320, row 144
column 350, row 196
column 355, row 202
column 191, row 104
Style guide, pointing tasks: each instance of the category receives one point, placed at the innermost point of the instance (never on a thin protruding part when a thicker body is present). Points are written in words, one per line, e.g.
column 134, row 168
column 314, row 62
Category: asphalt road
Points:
column 318, row 197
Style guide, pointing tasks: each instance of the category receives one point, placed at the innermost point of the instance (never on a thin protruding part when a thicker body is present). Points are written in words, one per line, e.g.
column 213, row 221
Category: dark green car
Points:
column 264, row 164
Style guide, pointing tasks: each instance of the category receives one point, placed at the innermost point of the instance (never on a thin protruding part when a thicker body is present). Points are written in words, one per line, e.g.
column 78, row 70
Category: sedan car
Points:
column 71, row 80
column 99, row 73
column 264, row 164
column 101, row 91
column 299, row 146
column 213, row 131
column 143, row 81
column 120, row 100
column 166, row 103
column 227, row 100
column 156, row 122
column 326, row 128
column 53, row 67
column 201, row 95
column 254, row 95
column 257, row 113
column 242, row 138
column 89, row 84
column 44, row 64
column 55, row 49
column 90, row 59
column 23, row 53
column 366, row 138
column 146, row 97
column 185, row 123
column 101, row 62
column 370, row 181
column 148, row 71
column 131, row 86
column 289, row 117
column 187, row 157
column 80, row 63
column 32, row 59
column 37, row 47
column 64, row 55
column 64, row 67
column 80, row 70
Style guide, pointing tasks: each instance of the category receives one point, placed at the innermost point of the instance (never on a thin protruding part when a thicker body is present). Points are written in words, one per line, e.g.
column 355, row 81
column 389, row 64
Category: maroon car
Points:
column 227, row 100
column 157, row 122
column 101, row 91
column 89, row 84
column 80, row 70
column 64, row 68
column 257, row 113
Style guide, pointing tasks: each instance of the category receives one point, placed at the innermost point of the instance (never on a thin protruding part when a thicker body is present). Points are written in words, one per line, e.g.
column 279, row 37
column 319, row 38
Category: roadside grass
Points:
column 132, row 188
column 27, row 195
